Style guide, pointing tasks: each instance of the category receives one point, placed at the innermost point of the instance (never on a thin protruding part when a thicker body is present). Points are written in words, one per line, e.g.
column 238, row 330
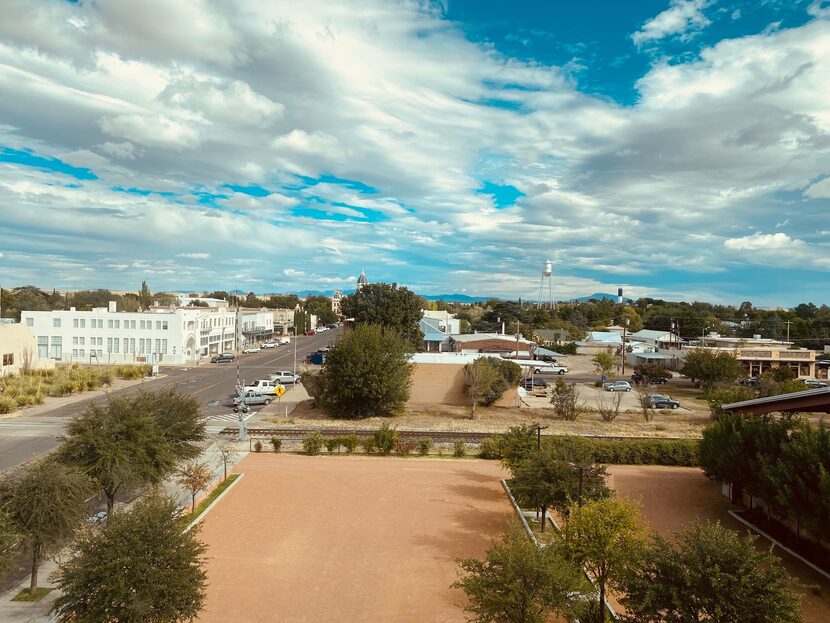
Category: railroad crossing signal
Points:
column 279, row 390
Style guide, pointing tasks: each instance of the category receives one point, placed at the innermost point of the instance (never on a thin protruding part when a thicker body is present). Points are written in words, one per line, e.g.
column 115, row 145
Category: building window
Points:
column 30, row 322
column 132, row 345
column 164, row 347
column 158, row 346
column 100, row 353
column 57, row 350
column 109, row 343
column 117, row 324
column 109, row 323
column 42, row 347
column 74, row 352
column 56, row 322
column 81, row 352
column 75, row 323
column 164, row 325
column 8, row 359
column 81, row 340
column 132, row 324
column 141, row 346
column 82, row 323
column 74, row 341
column 116, row 344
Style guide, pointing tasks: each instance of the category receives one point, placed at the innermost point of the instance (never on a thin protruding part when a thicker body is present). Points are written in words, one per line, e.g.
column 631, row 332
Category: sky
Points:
column 679, row 149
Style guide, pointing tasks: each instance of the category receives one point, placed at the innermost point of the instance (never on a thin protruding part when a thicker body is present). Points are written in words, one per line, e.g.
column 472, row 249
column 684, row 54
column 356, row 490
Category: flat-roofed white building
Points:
column 18, row 350
column 104, row 335
column 254, row 325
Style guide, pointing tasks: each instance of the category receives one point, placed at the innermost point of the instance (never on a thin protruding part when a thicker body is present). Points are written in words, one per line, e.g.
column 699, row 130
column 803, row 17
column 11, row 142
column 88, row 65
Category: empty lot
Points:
column 348, row 538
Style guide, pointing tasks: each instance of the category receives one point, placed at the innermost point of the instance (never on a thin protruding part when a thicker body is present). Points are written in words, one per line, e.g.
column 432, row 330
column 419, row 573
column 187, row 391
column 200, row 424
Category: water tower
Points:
column 547, row 275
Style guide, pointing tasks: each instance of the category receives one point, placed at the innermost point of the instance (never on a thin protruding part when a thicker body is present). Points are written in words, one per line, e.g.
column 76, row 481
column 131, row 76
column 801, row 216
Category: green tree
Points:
column 518, row 582
column 45, row 503
column 195, row 477
column 367, row 374
column 320, row 306
column 652, row 372
column 145, row 297
column 604, row 363
column 709, row 367
column 605, row 537
column 117, row 445
column 546, row 480
column 178, row 416
column 479, row 376
column 8, row 539
column 516, row 445
column 139, row 568
column 708, row 573
column 565, row 400
column 391, row 307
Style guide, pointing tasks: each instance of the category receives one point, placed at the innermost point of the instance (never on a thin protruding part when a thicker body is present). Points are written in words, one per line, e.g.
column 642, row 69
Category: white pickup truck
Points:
column 551, row 369
column 264, row 387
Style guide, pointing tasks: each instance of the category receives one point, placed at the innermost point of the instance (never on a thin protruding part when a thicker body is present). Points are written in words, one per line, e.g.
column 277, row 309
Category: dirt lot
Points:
column 314, row 539
column 671, row 497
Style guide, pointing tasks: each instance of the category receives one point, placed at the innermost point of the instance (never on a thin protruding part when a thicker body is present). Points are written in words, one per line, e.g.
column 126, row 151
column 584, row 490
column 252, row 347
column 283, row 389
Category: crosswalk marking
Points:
column 229, row 417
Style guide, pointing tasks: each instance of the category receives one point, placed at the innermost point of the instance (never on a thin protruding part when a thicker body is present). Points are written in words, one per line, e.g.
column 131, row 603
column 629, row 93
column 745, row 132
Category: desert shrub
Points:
column 258, row 446
column 333, row 445
column 489, row 449
column 276, row 444
column 370, row 446
column 459, row 449
column 385, row 439
column 313, row 384
column 130, row 372
column 679, row 452
column 350, row 443
column 402, row 448
column 7, row 405
column 64, row 388
column 565, row 400
column 424, row 445
column 313, row 443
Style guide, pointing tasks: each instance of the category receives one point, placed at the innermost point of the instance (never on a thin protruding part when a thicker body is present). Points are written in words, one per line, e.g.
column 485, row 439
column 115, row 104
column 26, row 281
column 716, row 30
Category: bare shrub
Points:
column 608, row 405
column 643, row 392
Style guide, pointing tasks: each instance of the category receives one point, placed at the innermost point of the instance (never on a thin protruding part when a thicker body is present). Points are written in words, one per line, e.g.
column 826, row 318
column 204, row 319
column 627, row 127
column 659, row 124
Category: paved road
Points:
column 27, row 436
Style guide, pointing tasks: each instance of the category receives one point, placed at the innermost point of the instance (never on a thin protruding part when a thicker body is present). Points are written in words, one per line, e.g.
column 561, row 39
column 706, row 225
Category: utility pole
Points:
column 788, row 323
column 625, row 327
column 294, row 369
column 518, row 325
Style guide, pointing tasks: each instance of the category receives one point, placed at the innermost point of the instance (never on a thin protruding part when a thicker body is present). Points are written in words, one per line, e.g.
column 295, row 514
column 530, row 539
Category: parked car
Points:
column 321, row 329
column 659, row 401
column 284, row 340
column 815, row 383
column 531, row 383
column 223, row 358
column 333, row 325
column 651, row 380
column 618, row 386
column 317, row 359
column 553, row 369
column 249, row 397
column 270, row 344
column 263, row 386
column 749, row 381
column 284, row 377
column 252, row 349
column 310, row 332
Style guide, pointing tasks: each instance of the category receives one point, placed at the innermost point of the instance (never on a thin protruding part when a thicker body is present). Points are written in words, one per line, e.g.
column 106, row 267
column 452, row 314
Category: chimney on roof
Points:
column 111, row 307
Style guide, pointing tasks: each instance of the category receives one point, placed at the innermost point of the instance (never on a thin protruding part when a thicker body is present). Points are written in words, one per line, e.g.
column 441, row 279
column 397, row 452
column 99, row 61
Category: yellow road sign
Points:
column 279, row 390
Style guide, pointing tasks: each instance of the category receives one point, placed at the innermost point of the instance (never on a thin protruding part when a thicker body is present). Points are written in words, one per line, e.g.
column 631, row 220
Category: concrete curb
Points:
column 778, row 544
column 212, row 504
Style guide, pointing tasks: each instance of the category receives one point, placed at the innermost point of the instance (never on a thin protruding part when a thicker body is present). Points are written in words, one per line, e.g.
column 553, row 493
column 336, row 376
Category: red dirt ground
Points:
column 315, row 539
column 671, row 497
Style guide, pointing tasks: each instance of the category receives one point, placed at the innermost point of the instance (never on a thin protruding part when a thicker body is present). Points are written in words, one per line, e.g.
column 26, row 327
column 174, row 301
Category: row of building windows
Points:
column 112, row 323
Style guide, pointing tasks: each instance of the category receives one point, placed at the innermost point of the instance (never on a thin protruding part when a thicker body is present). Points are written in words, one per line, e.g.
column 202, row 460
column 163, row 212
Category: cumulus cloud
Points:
column 371, row 134
column 194, row 256
column 683, row 18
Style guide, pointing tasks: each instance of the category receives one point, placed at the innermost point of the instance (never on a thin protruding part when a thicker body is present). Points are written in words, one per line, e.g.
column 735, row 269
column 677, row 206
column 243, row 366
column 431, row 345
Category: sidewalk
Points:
column 28, row 612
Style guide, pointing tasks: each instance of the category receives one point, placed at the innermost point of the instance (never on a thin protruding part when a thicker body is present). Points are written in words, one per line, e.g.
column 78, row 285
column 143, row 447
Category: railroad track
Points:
column 437, row 436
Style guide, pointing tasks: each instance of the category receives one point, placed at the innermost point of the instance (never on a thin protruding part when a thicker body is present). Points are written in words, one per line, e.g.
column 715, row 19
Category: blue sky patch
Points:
column 29, row 159
column 504, row 195
column 253, row 190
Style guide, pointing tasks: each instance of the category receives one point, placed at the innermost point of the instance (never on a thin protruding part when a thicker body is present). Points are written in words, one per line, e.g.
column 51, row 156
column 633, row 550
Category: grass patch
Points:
column 31, row 387
column 25, row 595
column 201, row 506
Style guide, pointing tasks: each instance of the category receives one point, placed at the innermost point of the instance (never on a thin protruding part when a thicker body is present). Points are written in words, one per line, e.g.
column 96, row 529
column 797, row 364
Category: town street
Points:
column 29, row 435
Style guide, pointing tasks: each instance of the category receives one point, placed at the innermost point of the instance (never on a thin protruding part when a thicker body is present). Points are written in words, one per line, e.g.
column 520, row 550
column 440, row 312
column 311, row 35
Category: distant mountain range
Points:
column 598, row 296
column 461, row 298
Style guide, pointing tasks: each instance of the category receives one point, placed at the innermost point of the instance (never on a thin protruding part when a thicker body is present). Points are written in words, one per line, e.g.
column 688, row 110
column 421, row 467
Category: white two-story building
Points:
column 105, row 335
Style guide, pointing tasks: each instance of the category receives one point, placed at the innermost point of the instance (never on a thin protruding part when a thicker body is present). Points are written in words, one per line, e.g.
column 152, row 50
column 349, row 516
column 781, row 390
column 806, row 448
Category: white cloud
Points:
column 764, row 242
column 683, row 17
column 819, row 190
column 194, row 256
